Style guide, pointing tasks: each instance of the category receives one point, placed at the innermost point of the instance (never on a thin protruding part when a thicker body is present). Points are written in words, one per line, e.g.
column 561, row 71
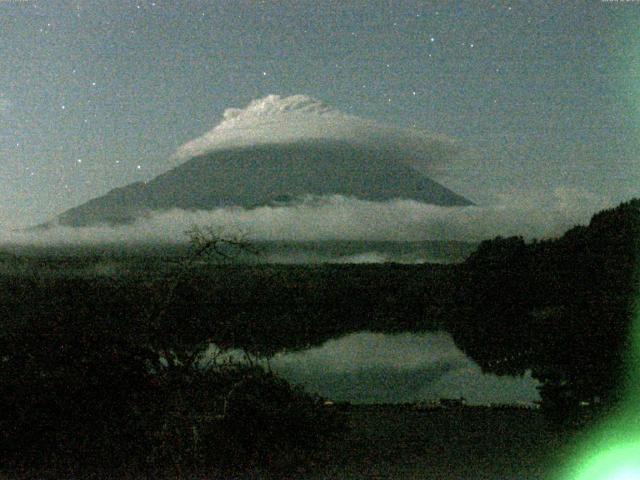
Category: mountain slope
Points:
column 266, row 174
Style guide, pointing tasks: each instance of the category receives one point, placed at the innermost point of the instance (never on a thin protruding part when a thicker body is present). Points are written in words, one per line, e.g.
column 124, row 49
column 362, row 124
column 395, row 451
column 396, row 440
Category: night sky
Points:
column 539, row 95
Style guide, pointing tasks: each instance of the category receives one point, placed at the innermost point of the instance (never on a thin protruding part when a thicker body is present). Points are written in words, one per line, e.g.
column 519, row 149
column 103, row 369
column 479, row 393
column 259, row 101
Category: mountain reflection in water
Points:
column 367, row 367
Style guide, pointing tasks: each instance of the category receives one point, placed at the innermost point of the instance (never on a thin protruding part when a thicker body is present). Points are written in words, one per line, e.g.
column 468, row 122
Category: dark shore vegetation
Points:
column 562, row 308
column 100, row 366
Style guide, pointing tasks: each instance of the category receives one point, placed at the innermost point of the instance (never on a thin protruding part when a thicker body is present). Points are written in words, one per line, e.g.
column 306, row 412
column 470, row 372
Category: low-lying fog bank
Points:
column 338, row 217
column 114, row 259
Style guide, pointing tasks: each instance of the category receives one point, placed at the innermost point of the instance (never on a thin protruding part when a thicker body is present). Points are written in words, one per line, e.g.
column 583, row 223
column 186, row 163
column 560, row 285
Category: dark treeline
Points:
column 561, row 307
column 82, row 353
column 262, row 308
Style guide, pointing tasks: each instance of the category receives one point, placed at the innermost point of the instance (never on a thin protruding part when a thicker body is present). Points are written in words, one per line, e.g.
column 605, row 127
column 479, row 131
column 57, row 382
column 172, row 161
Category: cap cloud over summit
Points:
column 343, row 218
column 276, row 119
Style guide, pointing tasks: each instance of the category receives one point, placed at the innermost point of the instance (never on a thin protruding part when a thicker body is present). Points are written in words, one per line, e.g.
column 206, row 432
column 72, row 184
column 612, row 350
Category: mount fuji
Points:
column 279, row 151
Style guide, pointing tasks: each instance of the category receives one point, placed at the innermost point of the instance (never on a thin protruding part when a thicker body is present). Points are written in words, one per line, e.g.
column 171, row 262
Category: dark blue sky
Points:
column 97, row 94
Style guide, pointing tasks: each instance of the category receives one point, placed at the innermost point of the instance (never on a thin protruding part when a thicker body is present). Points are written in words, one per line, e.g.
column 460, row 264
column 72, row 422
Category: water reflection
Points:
column 372, row 367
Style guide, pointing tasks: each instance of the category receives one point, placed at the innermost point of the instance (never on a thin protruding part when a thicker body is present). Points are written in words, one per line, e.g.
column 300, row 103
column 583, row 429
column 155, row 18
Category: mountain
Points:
column 268, row 174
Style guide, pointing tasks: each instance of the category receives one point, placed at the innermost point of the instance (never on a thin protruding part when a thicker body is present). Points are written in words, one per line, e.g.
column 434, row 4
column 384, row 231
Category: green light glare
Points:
column 632, row 474
column 611, row 450
column 621, row 462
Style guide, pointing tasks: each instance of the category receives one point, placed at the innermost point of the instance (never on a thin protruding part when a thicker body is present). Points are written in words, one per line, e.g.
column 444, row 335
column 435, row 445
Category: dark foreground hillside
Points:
column 400, row 442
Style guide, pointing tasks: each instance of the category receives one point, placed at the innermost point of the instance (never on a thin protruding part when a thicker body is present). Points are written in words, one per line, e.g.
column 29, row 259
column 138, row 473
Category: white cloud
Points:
column 533, row 215
column 276, row 119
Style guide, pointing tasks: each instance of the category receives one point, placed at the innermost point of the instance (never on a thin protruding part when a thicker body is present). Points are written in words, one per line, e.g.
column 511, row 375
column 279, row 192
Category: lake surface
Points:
column 369, row 367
